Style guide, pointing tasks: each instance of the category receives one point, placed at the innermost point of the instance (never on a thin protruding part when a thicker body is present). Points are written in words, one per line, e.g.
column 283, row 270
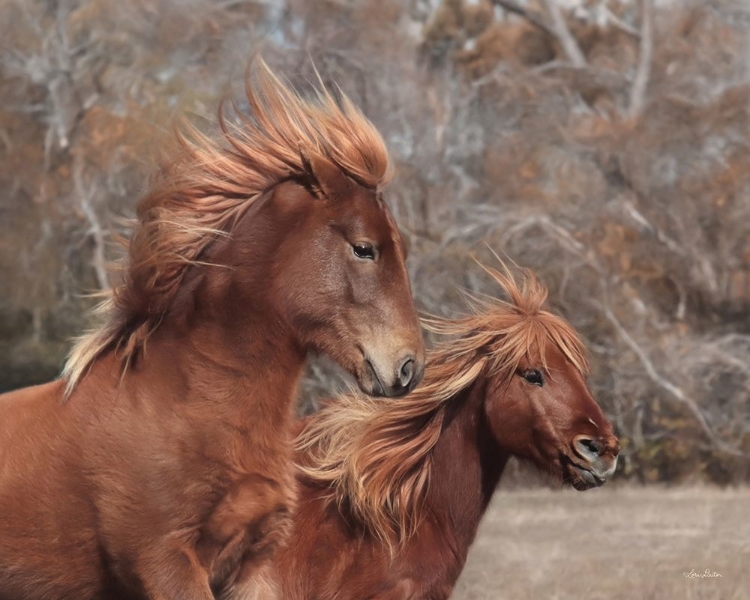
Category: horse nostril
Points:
column 589, row 447
column 406, row 372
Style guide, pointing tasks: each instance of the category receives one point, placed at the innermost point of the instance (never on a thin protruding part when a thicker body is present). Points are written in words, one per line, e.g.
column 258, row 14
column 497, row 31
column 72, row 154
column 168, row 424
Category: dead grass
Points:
column 614, row 543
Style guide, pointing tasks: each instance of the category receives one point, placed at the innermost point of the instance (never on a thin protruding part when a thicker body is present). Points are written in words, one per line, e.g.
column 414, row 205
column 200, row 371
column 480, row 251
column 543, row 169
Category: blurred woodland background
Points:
column 604, row 143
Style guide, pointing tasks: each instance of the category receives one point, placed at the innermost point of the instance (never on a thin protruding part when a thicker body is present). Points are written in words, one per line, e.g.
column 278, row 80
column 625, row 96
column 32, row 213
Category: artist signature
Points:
column 707, row 574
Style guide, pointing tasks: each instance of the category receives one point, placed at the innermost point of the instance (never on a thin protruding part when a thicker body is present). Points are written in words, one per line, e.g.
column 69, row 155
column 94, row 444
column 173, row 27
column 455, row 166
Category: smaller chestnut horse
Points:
column 392, row 494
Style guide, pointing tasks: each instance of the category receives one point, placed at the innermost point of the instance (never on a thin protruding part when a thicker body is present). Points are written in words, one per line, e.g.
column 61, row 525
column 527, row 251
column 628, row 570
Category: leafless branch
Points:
column 558, row 29
column 96, row 231
column 531, row 16
column 674, row 391
column 562, row 33
column 618, row 23
column 643, row 72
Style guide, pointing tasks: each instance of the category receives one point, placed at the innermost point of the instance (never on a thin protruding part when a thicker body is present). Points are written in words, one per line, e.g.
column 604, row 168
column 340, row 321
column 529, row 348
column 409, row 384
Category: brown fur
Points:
column 162, row 468
column 392, row 494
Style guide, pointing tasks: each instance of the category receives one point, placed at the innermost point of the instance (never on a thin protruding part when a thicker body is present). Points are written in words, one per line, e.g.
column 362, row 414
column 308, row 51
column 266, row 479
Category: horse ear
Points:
column 329, row 180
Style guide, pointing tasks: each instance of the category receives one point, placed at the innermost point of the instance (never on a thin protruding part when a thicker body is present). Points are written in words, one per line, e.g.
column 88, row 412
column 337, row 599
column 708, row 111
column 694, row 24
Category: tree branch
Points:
column 618, row 23
column 643, row 72
column 96, row 231
column 558, row 29
column 530, row 16
column 674, row 391
column 562, row 33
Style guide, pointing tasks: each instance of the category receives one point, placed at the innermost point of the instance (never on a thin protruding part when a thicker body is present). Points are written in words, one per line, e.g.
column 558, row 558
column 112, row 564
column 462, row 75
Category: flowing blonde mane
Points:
column 375, row 455
column 201, row 194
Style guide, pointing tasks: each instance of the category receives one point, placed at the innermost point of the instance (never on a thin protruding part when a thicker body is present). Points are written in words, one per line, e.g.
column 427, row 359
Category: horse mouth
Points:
column 585, row 479
column 580, row 477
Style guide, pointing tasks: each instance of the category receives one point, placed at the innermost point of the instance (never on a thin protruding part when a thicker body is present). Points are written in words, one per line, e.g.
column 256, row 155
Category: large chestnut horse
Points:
column 160, row 467
column 392, row 494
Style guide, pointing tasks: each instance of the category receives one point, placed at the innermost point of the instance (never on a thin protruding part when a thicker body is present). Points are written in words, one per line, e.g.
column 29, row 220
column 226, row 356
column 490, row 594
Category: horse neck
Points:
column 467, row 465
column 223, row 344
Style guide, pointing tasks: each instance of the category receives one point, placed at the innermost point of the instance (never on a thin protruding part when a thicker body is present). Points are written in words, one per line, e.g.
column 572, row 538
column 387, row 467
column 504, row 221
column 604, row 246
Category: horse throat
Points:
column 467, row 466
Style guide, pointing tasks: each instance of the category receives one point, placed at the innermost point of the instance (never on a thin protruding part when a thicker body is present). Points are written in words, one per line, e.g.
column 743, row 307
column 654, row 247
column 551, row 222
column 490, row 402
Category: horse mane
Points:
column 375, row 456
column 202, row 193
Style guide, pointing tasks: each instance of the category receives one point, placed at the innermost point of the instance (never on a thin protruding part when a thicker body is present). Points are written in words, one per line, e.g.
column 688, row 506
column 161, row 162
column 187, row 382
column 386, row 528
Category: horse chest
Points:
column 251, row 519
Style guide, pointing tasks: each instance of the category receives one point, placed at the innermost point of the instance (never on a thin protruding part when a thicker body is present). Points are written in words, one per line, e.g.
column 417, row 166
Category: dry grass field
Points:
column 612, row 543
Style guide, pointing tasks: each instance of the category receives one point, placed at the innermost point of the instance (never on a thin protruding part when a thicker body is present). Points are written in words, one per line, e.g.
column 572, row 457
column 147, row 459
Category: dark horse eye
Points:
column 534, row 376
column 364, row 251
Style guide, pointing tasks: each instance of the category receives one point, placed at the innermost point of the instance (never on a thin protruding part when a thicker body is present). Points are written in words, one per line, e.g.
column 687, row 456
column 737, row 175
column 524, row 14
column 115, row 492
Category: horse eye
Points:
column 365, row 251
column 534, row 377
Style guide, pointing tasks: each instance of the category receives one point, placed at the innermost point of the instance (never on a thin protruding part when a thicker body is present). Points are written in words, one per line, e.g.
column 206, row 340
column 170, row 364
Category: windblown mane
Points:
column 201, row 194
column 375, row 455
